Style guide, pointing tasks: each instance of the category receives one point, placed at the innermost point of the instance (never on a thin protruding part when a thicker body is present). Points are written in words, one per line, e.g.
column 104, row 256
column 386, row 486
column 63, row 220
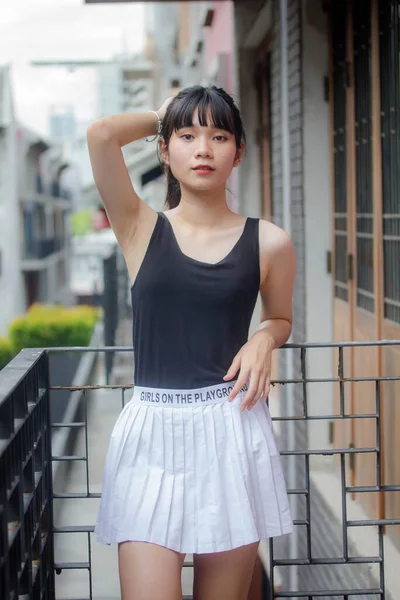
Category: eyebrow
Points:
column 198, row 126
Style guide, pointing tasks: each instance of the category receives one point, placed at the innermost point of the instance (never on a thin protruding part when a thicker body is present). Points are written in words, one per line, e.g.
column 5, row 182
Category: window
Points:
column 363, row 154
column 340, row 150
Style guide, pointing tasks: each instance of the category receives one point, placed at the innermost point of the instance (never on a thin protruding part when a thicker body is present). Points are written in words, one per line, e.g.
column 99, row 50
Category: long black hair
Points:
column 224, row 114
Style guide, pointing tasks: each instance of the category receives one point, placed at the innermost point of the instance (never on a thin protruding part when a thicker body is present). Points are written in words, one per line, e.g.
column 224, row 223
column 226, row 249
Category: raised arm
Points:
column 105, row 138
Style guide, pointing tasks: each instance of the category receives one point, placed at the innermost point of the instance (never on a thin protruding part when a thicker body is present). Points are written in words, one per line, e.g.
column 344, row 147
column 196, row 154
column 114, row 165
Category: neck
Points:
column 203, row 208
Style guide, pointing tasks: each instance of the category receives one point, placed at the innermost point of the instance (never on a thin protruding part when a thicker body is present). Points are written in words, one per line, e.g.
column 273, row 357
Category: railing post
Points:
column 48, row 469
column 110, row 307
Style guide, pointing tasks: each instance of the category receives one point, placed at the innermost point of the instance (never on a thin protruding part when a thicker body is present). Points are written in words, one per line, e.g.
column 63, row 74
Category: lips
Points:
column 203, row 168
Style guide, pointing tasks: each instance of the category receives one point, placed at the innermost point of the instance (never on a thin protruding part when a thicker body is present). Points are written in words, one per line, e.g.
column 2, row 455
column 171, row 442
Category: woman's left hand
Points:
column 254, row 362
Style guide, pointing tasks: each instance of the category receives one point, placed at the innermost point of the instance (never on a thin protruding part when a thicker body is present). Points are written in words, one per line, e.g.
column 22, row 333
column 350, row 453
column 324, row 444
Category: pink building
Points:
column 219, row 46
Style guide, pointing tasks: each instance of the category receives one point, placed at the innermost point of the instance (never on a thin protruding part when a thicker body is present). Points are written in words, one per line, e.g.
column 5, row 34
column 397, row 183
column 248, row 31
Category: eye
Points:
column 186, row 136
column 220, row 138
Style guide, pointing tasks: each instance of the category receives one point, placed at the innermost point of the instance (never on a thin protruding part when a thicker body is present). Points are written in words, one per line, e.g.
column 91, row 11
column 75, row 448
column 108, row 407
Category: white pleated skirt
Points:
column 193, row 473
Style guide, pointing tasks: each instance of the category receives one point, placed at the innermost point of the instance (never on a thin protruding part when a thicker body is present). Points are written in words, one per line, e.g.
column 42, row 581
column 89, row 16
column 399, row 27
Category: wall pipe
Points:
column 287, row 225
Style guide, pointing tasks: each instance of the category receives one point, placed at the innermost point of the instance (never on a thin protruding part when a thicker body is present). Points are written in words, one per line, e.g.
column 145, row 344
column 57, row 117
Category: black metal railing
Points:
column 114, row 301
column 26, row 499
column 110, row 306
column 27, row 527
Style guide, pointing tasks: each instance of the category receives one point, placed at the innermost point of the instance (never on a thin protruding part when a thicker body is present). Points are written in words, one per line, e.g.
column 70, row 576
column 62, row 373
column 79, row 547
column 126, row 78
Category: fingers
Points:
column 259, row 383
column 255, row 391
column 262, row 387
column 242, row 379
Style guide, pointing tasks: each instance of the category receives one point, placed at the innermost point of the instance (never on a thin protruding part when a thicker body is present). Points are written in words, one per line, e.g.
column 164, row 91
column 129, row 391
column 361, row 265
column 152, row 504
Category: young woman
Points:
column 192, row 465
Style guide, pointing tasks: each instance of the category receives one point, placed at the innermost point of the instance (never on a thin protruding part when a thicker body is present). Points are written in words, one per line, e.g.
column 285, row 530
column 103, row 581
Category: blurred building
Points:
column 130, row 84
column 164, row 50
column 34, row 208
column 12, row 292
column 125, row 84
column 62, row 123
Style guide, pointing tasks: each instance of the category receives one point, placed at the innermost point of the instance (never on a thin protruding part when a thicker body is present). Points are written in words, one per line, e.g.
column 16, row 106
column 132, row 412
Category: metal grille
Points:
column 363, row 143
column 111, row 305
column 340, row 74
column 26, row 497
column 390, row 115
column 26, row 504
column 347, row 490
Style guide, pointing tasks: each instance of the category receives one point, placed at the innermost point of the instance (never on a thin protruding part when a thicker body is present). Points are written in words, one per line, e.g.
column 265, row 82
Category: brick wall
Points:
column 296, row 153
column 297, row 213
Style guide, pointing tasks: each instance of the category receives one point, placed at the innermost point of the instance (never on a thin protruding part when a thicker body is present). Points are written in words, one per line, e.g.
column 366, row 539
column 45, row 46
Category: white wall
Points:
column 248, row 201
column 317, row 209
column 165, row 17
column 249, row 170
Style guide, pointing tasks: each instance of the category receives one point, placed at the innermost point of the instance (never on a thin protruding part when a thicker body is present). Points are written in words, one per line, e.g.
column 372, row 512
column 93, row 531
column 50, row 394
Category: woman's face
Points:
column 202, row 158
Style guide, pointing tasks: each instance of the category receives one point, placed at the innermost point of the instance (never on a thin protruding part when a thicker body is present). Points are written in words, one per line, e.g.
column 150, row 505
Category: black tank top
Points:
column 190, row 318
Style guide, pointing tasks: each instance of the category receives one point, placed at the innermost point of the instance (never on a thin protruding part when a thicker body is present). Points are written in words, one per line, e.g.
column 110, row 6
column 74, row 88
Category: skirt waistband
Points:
column 183, row 398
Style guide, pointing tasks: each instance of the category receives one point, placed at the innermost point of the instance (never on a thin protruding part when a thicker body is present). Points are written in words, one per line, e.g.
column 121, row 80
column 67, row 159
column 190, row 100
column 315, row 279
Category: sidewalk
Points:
column 103, row 409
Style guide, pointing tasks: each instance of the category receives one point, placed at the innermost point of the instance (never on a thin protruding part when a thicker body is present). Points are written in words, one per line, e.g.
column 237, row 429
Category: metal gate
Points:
column 27, row 562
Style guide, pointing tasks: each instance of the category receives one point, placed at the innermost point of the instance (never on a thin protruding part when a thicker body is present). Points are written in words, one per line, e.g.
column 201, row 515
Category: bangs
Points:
column 208, row 105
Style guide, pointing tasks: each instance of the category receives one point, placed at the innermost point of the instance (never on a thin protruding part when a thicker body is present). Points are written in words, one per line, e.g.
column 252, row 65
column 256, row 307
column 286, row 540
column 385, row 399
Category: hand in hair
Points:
column 163, row 109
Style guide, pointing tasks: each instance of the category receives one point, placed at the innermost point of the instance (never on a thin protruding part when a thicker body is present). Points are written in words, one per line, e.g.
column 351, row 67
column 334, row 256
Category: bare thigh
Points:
column 224, row 575
column 149, row 572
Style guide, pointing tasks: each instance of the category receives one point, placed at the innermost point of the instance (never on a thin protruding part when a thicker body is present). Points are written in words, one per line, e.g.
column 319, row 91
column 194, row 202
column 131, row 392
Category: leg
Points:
column 149, row 572
column 224, row 575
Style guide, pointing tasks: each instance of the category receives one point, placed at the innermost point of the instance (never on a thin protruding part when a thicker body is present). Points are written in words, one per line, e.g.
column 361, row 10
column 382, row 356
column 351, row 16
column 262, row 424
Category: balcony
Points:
column 51, row 193
column 45, row 200
column 38, row 254
column 44, row 237
column 38, row 249
column 47, row 521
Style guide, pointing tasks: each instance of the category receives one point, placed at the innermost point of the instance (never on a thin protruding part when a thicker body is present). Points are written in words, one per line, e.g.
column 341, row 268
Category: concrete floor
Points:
column 103, row 409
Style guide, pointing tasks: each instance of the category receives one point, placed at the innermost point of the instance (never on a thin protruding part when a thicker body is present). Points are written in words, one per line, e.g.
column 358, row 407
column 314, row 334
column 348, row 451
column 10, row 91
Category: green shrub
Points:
column 45, row 326
column 6, row 352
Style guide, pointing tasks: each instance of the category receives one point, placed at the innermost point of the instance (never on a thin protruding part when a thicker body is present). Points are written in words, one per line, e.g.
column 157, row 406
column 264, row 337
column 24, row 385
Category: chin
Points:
column 203, row 186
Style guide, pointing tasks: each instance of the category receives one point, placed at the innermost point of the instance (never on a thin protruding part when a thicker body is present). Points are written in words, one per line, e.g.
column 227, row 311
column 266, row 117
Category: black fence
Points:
column 114, row 301
column 26, row 498
column 110, row 307
column 27, row 564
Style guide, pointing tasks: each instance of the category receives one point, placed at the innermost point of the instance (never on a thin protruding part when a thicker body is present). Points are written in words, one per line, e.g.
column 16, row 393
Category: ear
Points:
column 163, row 151
column 239, row 154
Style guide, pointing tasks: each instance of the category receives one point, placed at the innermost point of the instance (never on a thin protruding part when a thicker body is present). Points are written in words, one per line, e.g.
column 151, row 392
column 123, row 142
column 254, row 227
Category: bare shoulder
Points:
column 273, row 239
column 276, row 247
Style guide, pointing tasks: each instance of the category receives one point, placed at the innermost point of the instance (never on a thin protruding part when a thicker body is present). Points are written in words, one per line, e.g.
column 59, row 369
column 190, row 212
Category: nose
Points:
column 203, row 148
